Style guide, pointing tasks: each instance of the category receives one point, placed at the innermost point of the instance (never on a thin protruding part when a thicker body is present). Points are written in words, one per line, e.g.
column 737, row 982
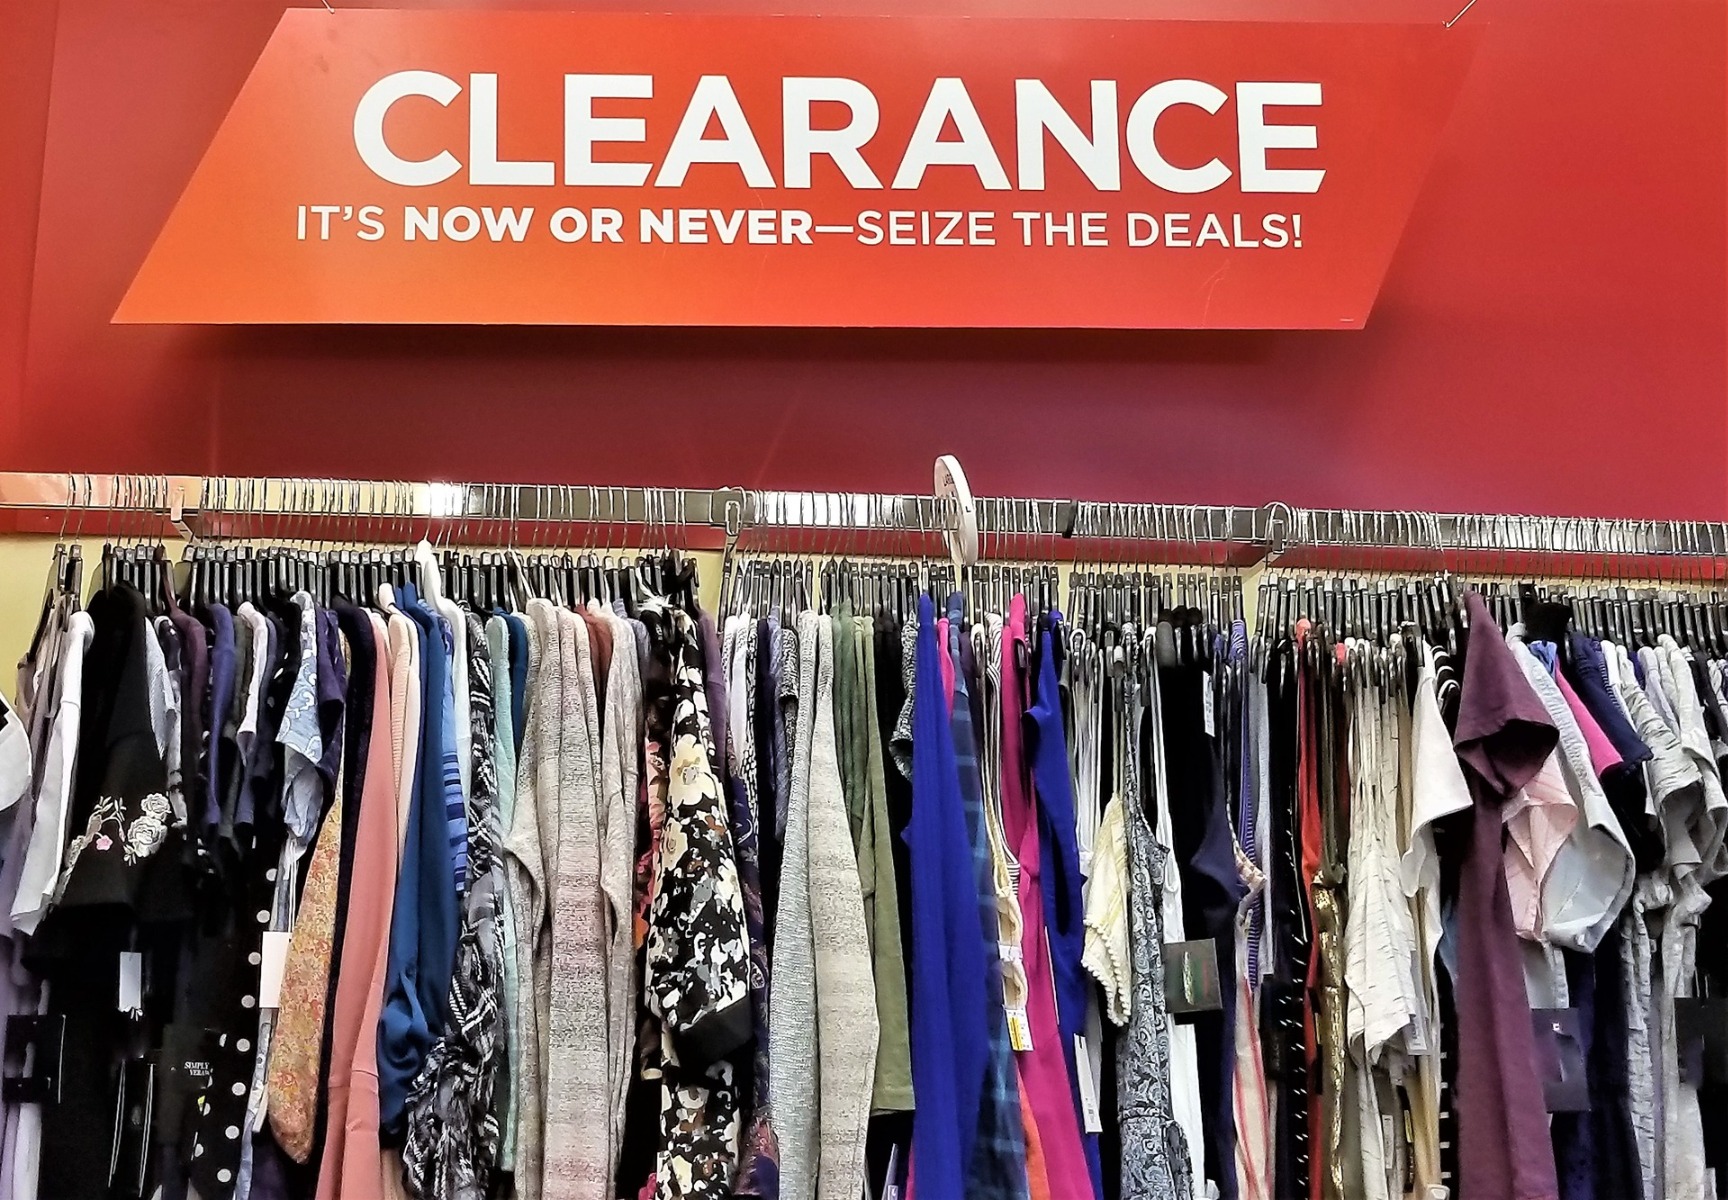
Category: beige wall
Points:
column 24, row 563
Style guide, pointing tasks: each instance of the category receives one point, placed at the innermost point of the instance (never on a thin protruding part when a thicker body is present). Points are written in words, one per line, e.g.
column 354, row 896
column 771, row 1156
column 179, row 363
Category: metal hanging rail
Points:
column 202, row 506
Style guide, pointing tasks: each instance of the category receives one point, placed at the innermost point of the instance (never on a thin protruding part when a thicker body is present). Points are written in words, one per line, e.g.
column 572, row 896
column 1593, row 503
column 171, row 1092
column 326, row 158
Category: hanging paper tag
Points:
column 1560, row 1059
column 1191, row 977
column 131, row 982
column 1019, row 1029
column 1206, row 701
column 1088, row 1088
column 1406, row 1143
column 891, row 1180
column 275, row 955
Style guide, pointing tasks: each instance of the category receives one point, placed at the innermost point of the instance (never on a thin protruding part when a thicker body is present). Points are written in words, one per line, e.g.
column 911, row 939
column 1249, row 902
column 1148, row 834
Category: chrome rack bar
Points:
column 200, row 505
column 1597, row 537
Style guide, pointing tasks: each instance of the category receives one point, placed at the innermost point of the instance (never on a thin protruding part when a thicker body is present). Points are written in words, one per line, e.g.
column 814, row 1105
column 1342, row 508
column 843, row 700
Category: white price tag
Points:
column 1088, row 1089
column 131, row 982
column 1206, row 701
column 275, row 954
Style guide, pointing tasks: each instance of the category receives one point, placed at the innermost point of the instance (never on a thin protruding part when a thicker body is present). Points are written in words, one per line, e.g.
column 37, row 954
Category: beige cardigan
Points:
column 577, row 1140
column 525, row 874
column 620, row 780
column 822, row 1040
column 845, row 976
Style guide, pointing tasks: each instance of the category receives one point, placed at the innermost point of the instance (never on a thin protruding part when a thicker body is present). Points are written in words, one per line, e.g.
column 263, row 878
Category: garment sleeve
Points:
column 1504, row 733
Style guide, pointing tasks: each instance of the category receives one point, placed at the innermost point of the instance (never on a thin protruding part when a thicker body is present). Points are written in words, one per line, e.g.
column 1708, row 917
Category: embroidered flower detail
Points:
column 150, row 829
column 104, row 842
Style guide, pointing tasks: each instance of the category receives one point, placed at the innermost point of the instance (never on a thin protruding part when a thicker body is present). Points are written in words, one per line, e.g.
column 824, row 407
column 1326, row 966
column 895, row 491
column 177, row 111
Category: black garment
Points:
column 1612, row 1144
column 1211, row 893
column 890, row 698
column 1288, row 935
column 119, row 822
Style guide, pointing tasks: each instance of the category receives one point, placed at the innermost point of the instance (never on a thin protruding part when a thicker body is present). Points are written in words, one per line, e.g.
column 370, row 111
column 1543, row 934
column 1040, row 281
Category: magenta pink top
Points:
column 1602, row 752
column 1044, row 1068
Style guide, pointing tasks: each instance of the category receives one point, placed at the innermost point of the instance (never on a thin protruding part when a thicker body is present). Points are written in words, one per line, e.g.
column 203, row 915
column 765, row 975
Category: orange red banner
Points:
column 563, row 168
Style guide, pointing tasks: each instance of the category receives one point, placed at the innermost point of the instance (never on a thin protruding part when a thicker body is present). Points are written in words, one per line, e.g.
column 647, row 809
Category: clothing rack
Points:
column 200, row 506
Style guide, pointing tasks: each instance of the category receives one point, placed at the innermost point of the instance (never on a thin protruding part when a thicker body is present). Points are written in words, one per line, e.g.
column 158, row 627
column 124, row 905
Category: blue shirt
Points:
column 518, row 675
column 950, row 1038
column 1064, row 910
column 423, row 923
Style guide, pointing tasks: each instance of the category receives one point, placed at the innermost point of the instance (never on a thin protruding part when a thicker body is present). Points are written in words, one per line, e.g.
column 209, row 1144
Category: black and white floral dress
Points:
column 697, row 963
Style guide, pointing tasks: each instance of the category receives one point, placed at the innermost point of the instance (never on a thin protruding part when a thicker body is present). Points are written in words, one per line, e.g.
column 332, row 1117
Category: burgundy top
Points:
column 1503, row 737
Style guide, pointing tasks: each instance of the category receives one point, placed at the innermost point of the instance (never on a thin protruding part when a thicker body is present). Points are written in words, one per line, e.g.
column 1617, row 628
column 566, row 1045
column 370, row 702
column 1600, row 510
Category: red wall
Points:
column 1552, row 336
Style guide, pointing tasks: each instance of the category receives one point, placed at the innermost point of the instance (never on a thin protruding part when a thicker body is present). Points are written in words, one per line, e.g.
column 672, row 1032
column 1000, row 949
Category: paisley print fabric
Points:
column 1154, row 1150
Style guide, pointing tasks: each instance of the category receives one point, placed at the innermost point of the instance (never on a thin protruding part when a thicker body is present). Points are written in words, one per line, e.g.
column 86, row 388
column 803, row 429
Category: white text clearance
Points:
column 1093, row 141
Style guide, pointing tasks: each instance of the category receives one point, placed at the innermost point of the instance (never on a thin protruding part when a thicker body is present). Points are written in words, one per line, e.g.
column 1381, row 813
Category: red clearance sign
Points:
column 564, row 168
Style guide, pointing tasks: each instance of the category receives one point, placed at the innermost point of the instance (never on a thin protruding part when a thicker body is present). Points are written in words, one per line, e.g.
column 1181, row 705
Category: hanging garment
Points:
column 892, row 1089
column 297, row 1043
column 526, row 849
column 1438, row 790
column 1503, row 736
column 845, row 995
column 1185, row 1095
column 950, row 1039
column 42, row 860
column 1064, row 909
column 119, row 817
column 793, row 1047
column 352, row 1121
column 293, row 1074
column 1155, row 1154
column 1591, row 876
column 576, row 1141
column 452, row 1139
column 1045, row 1077
column 505, row 1112
column 698, row 951
column 759, row 1163
column 1211, row 893
column 1250, row 1085
column 1249, row 1093
column 1106, row 947
column 423, row 924
column 1385, row 1005
column 620, row 785
column 1001, row 1165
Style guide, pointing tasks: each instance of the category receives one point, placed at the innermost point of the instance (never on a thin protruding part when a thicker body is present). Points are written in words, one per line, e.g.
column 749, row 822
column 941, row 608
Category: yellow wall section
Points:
column 24, row 563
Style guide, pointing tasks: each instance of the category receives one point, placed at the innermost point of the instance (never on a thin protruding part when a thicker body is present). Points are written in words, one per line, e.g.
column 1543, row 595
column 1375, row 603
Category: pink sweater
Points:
column 352, row 1168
